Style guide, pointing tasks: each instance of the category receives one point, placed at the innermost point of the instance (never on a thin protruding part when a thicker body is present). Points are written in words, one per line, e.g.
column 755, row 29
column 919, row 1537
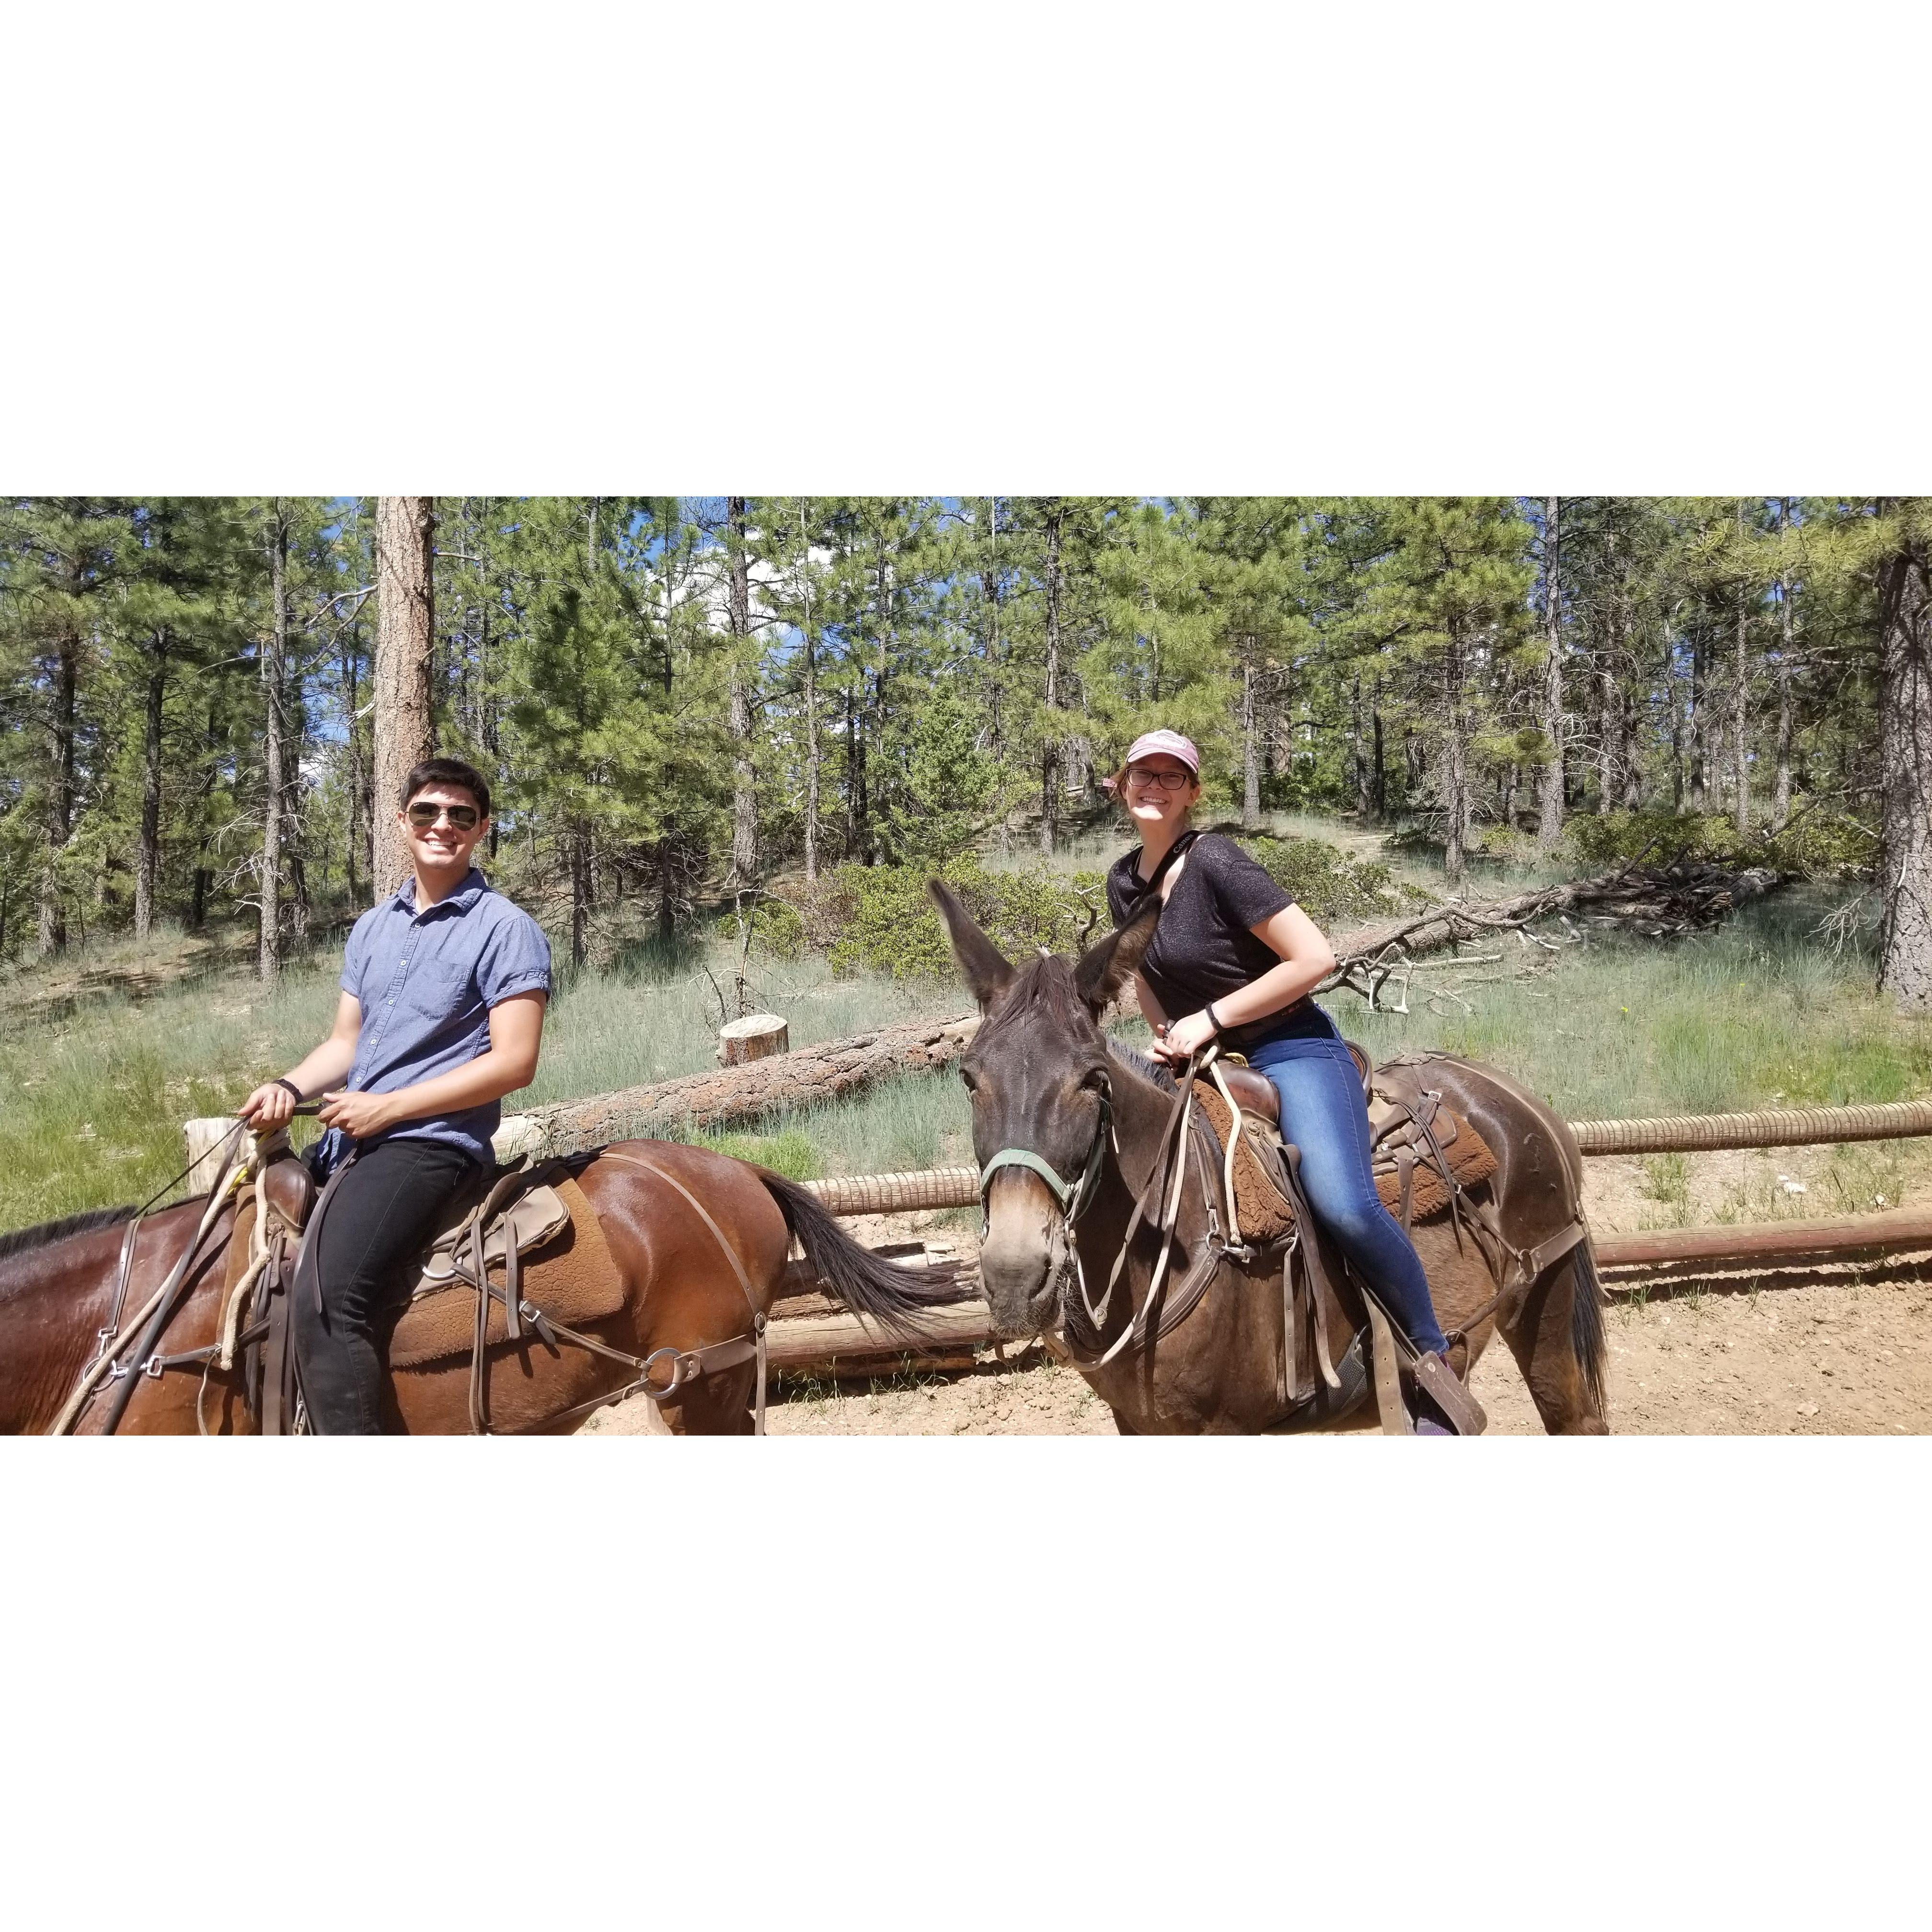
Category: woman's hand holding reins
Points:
column 1184, row 1038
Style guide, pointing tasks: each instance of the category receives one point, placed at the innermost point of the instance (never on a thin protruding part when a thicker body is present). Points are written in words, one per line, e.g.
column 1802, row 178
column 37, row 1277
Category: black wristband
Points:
column 1214, row 1019
column 294, row 1091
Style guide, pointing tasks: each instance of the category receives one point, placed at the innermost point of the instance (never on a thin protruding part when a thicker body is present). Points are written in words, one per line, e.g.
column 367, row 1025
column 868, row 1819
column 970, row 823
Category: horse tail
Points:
column 1586, row 1321
column 868, row 1284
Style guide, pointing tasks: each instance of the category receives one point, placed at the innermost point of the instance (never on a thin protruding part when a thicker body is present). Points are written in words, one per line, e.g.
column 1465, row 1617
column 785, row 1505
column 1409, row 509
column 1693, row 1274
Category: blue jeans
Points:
column 1323, row 1114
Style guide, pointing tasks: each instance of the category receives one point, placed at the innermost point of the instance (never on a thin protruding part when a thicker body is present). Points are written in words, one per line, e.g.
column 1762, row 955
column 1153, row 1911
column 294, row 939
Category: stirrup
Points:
column 1457, row 1406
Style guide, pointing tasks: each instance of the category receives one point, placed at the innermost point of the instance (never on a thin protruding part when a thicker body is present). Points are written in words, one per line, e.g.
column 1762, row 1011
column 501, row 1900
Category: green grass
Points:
column 1759, row 1013
column 92, row 1104
column 101, row 1059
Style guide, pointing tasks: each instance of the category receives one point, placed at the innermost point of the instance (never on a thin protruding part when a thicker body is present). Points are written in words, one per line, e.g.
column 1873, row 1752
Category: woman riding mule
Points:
column 1090, row 1200
column 1234, row 959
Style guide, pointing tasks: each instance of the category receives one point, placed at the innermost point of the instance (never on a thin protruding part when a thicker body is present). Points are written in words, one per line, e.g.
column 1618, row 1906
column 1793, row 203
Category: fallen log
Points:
column 1774, row 1243
column 1808, row 1126
column 819, row 1341
column 727, row 1097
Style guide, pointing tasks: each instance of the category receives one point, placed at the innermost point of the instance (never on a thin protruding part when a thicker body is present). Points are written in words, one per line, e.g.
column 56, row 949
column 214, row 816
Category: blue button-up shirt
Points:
column 426, row 981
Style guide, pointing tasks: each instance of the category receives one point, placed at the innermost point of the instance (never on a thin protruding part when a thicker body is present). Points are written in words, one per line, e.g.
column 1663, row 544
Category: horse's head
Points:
column 1041, row 1080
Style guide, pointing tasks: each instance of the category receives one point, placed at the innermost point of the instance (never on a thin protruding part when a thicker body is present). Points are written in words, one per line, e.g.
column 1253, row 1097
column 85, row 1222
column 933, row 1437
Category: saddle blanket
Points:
column 1262, row 1212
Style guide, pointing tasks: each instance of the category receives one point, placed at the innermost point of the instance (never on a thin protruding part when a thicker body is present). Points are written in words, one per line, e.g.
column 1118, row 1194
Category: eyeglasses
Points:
column 1146, row 775
column 422, row 816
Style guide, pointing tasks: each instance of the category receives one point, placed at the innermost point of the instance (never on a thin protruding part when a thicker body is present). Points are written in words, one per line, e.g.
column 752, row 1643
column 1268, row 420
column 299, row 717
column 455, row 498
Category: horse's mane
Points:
column 1045, row 986
column 24, row 1240
column 1137, row 1062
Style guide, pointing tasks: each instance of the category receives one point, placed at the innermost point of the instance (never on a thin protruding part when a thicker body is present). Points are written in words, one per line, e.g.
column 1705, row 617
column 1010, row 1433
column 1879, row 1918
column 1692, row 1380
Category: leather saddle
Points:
column 521, row 1209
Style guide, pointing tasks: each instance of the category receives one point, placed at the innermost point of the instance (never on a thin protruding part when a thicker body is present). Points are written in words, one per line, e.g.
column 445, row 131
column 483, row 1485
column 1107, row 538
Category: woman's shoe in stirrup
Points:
column 1436, row 1382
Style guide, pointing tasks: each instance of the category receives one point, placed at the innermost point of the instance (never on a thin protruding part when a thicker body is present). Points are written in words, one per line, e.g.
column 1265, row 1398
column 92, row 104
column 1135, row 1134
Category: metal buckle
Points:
column 152, row 1367
column 118, row 1371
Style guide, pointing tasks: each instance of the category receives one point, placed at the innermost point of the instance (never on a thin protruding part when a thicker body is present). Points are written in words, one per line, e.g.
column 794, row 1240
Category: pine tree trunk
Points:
column 405, row 638
column 1549, row 823
column 1049, row 773
column 269, row 946
column 812, row 757
column 1609, row 715
column 1633, row 765
column 1455, row 781
column 1740, row 699
column 1700, row 731
column 60, row 787
column 851, row 775
column 147, row 862
column 1364, row 799
column 1780, row 801
column 744, row 765
column 294, row 859
column 357, row 832
column 667, row 892
column 1905, row 712
column 580, row 894
column 1251, row 763
column 1380, row 795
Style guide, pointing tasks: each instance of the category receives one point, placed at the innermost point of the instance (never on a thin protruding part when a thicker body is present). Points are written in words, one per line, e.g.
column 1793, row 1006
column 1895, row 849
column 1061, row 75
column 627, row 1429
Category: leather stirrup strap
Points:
column 1389, row 1404
column 1311, row 1255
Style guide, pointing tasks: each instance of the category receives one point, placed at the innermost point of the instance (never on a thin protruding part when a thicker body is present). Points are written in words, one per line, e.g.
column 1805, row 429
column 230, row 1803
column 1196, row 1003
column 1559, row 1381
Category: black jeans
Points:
column 381, row 1214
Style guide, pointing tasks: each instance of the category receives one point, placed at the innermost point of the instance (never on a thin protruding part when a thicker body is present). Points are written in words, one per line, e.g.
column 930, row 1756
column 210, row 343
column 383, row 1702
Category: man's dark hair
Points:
column 446, row 771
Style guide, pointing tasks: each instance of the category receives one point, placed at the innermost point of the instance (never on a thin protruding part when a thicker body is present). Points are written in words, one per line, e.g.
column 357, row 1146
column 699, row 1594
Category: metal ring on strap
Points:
column 677, row 1359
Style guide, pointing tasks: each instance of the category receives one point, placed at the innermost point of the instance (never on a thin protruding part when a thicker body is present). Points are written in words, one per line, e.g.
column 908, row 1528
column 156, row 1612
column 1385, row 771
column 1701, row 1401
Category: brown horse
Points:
column 680, row 1292
column 1045, row 1080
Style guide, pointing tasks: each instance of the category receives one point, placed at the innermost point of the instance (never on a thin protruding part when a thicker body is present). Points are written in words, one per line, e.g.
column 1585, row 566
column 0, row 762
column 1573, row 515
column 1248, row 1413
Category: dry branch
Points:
column 1662, row 901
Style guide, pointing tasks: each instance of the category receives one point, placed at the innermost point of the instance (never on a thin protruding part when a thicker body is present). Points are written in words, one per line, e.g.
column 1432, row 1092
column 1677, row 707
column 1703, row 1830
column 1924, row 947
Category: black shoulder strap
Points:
column 1139, row 889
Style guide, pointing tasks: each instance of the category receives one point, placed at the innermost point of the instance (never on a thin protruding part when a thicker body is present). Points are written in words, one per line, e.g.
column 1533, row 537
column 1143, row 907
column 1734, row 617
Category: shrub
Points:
column 1820, row 842
column 1326, row 883
column 883, row 917
column 778, row 928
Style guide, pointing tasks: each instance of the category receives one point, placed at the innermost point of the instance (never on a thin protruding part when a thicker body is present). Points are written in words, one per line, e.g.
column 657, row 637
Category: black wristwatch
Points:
column 295, row 1092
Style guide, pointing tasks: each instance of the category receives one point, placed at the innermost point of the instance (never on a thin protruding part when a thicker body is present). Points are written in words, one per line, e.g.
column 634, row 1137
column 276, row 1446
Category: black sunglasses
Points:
column 425, row 814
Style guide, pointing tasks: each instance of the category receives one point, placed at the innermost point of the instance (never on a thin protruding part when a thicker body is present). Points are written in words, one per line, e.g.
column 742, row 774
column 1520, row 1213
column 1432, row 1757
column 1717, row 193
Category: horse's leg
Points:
column 1121, row 1425
column 1558, row 1341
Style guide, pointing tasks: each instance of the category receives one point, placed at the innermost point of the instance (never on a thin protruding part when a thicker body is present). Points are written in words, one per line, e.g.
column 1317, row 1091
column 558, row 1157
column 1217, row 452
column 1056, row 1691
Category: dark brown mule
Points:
column 679, row 1292
column 1045, row 1080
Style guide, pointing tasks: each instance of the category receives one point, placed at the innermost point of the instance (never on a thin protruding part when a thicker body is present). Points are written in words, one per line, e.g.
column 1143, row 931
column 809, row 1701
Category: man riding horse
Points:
column 444, row 987
column 1234, row 958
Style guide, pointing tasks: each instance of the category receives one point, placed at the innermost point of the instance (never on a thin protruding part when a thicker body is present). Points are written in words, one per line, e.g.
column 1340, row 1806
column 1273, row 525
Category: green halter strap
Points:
column 1071, row 1196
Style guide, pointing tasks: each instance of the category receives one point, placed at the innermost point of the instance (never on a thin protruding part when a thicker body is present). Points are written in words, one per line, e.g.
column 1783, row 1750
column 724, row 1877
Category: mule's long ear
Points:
column 1101, row 970
column 982, row 964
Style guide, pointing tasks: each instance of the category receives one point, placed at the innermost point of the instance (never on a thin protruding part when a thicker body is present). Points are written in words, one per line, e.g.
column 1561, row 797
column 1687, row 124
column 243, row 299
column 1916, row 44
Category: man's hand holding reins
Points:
column 271, row 1106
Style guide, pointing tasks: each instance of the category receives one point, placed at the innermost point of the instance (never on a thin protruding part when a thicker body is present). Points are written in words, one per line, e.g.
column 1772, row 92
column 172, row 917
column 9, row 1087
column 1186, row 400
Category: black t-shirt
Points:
column 1204, row 949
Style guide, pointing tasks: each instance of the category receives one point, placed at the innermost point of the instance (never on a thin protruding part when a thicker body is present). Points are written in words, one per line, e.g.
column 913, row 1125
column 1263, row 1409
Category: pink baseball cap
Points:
column 1172, row 743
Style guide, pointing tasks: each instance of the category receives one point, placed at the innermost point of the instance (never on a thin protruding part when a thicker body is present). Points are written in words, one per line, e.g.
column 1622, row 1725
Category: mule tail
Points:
column 891, row 1296
column 1586, row 1321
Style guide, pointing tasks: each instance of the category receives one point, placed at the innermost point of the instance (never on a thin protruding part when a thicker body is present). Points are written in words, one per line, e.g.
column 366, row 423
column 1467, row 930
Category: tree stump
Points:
column 756, row 1036
column 204, row 1149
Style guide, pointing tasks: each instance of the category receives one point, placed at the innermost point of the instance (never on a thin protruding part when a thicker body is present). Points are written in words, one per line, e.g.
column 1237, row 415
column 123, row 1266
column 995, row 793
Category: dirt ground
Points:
column 1842, row 1352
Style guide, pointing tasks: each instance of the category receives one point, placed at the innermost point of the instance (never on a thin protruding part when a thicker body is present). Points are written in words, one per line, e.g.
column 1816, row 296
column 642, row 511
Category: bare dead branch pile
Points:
column 1657, row 902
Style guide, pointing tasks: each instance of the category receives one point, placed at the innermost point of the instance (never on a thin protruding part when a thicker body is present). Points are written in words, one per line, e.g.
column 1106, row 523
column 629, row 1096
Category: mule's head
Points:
column 1040, row 1076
